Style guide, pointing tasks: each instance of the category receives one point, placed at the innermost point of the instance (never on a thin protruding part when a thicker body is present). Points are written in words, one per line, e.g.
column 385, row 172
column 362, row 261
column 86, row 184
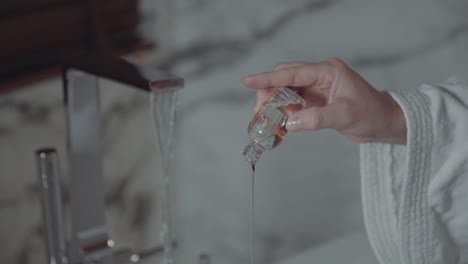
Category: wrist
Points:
column 397, row 122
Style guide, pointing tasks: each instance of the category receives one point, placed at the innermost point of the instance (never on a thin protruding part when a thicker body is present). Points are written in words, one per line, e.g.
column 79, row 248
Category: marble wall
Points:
column 307, row 190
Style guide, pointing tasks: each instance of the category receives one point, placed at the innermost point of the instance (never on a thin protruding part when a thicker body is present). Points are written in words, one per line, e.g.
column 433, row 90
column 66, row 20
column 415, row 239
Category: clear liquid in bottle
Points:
column 268, row 126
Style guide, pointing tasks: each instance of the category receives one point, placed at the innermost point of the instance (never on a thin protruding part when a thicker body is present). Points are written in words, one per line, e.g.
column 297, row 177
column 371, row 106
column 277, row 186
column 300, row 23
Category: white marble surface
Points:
column 307, row 189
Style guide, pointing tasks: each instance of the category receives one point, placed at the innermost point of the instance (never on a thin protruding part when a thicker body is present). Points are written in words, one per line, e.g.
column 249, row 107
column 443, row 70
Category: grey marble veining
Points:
column 307, row 189
column 452, row 35
column 213, row 54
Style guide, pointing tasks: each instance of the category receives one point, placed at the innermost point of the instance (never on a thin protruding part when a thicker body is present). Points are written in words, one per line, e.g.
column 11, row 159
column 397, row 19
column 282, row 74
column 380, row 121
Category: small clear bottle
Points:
column 268, row 126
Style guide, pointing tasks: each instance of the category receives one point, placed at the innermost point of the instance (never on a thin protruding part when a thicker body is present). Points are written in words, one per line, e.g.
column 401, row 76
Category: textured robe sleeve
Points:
column 415, row 197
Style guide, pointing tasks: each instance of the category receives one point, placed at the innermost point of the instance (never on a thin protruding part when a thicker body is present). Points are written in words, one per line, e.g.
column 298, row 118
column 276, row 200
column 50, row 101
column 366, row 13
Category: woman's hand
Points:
column 336, row 97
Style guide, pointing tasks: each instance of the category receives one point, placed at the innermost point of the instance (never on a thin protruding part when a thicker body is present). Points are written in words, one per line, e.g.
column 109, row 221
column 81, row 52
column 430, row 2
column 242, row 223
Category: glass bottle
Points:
column 268, row 126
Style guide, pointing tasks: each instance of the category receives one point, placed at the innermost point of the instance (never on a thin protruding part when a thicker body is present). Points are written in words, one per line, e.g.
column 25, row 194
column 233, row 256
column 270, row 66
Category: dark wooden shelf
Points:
column 38, row 33
column 55, row 71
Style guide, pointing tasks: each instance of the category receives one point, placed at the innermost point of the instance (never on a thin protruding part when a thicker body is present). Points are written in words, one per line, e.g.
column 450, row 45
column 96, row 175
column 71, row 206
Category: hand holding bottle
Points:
column 336, row 97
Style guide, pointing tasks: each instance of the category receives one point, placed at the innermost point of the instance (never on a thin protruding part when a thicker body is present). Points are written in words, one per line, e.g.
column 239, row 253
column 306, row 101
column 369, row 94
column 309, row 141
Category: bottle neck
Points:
column 252, row 152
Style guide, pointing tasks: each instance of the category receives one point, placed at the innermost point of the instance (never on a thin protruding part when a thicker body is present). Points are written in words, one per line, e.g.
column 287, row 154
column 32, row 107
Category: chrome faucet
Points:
column 89, row 241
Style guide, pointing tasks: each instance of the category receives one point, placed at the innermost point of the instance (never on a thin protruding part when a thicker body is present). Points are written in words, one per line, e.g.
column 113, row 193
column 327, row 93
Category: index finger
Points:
column 303, row 75
column 262, row 94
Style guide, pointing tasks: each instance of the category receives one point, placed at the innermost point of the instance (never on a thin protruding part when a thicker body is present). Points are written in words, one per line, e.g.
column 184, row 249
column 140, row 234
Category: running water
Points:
column 252, row 218
column 163, row 103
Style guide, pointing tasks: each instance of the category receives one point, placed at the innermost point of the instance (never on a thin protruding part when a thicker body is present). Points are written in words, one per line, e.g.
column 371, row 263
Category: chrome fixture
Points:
column 89, row 241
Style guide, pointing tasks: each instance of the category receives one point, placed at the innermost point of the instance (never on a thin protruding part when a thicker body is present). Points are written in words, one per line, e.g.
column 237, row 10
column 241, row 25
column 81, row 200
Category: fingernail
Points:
column 248, row 78
column 256, row 108
column 294, row 123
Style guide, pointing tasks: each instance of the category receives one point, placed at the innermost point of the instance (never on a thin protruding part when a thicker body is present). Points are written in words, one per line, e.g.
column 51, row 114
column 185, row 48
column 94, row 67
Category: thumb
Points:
column 307, row 119
column 334, row 115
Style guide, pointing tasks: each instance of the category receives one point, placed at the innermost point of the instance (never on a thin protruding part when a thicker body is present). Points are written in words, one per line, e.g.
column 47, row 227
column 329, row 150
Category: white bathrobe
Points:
column 416, row 196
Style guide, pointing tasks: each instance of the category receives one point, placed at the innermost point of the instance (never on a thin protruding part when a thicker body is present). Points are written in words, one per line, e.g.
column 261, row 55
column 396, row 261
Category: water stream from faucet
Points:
column 163, row 103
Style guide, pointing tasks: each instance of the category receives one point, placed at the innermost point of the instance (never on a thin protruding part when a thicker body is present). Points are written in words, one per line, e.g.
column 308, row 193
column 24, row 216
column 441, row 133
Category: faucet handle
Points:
column 51, row 203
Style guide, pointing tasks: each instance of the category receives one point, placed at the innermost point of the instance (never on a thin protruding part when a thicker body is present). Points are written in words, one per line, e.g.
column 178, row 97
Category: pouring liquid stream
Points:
column 266, row 130
column 252, row 218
